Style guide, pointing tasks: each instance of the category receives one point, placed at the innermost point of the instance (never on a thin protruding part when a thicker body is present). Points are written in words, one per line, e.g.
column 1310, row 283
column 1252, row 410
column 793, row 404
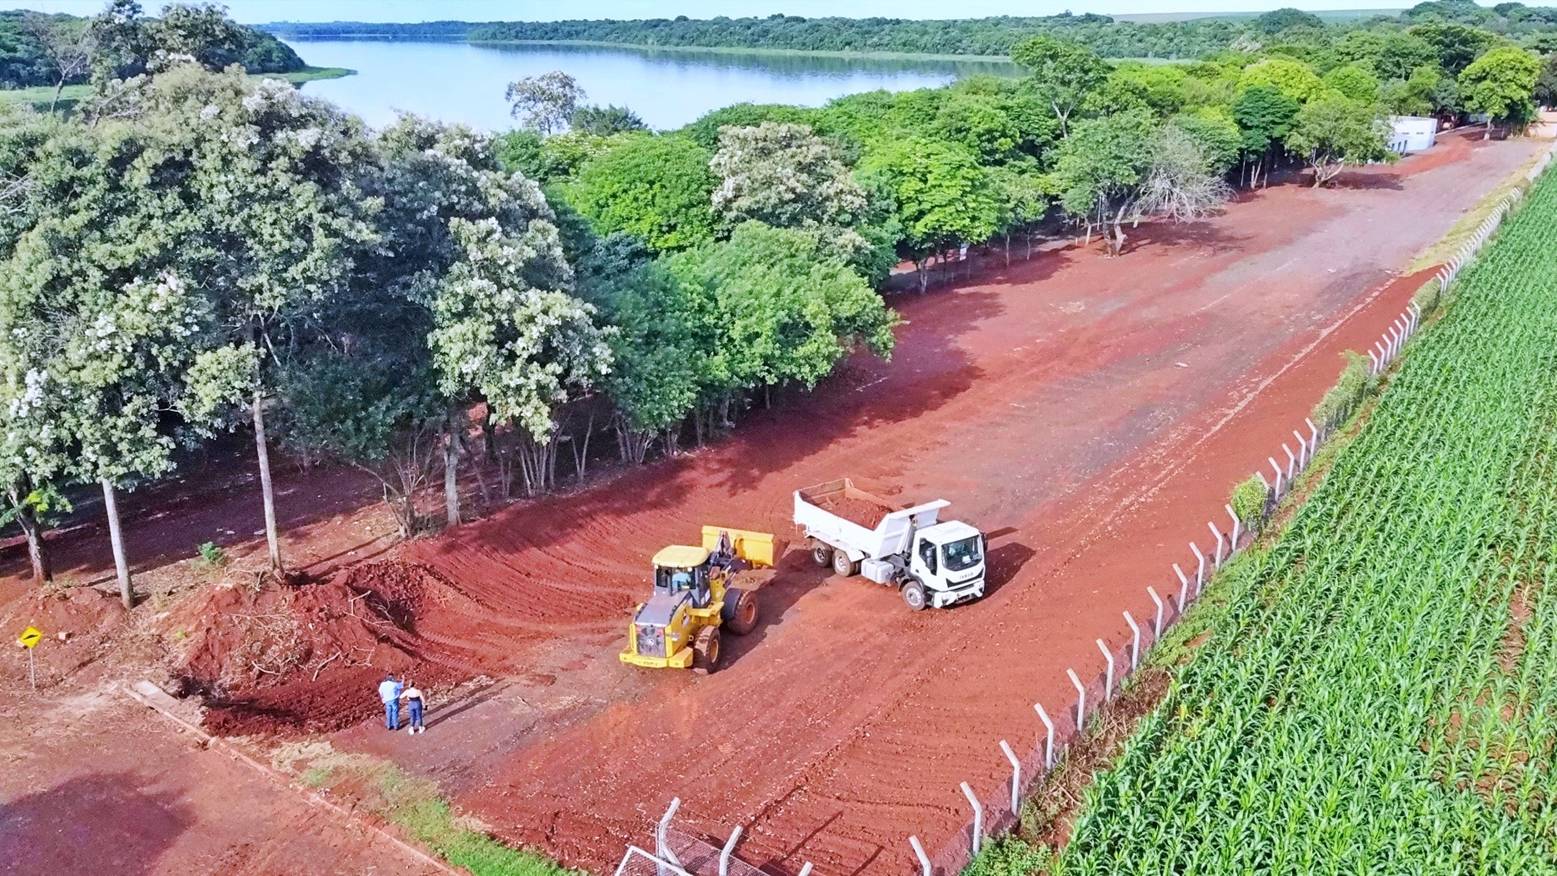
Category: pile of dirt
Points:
column 862, row 511
column 290, row 658
column 78, row 625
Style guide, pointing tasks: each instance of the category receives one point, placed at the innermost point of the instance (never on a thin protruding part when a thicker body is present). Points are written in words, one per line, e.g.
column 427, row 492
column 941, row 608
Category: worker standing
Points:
column 389, row 693
column 413, row 699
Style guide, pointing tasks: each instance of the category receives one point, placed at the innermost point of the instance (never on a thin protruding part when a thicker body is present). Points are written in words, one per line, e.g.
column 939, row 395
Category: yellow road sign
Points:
column 30, row 637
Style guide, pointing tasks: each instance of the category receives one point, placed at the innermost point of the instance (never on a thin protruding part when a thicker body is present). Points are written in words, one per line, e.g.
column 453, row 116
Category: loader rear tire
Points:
column 914, row 595
column 844, row 566
column 705, row 651
column 822, row 555
column 743, row 617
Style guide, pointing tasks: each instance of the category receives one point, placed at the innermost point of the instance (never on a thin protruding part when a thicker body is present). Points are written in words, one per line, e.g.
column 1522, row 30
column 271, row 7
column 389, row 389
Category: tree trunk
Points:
column 581, row 451
column 37, row 551
column 267, row 494
column 116, row 540
column 1486, row 133
column 58, row 90
column 1008, row 249
column 451, row 469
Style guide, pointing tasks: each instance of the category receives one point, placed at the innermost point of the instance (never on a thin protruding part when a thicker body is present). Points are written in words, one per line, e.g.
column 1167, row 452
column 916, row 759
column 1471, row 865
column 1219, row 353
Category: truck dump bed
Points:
column 890, row 534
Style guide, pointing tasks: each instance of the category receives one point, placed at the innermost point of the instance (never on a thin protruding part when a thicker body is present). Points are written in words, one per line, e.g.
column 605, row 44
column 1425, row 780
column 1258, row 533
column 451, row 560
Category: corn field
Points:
column 1380, row 695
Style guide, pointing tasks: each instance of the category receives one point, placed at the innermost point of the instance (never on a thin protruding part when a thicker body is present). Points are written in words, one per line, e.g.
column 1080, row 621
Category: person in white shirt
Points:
column 413, row 698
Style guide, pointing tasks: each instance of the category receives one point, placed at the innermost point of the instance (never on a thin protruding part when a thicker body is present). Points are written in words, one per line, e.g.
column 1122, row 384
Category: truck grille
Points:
column 651, row 640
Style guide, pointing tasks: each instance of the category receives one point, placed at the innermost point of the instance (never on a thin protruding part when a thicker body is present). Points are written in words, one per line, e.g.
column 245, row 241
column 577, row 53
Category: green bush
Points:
column 1249, row 498
column 1009, row 856
column 1349, row 389
column 1426, row 298
column 212, row 555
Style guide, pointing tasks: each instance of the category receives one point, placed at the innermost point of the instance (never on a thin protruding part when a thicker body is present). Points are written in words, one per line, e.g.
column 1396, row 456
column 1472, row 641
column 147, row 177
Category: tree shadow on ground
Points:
column 99, row 823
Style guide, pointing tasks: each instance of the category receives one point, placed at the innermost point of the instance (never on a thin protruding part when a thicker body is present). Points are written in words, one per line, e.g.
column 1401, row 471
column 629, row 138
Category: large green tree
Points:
column 656, row 188
column 1062, row 71
column 1501, row 84
column 1335, row 131
column 943, row 196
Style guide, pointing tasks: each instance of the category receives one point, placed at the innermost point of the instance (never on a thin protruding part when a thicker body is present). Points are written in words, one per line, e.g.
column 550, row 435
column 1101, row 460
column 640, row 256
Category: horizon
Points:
column 255, row 12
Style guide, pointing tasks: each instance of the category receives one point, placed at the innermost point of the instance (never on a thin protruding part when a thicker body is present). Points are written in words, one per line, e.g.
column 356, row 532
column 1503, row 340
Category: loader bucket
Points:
column 757, row 548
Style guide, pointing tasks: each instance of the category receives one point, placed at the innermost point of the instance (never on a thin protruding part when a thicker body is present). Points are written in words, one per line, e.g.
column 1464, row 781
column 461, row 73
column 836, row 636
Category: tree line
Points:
column 193, row 252
column 59, row 50
column 1283, row 31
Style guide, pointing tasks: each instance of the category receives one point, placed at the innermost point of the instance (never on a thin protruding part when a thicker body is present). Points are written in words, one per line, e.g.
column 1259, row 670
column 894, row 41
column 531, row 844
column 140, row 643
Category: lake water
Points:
column 460, row 82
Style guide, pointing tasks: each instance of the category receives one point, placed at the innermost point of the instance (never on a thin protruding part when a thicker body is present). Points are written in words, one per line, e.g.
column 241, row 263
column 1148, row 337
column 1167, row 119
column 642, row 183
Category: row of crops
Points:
column 1380, row 692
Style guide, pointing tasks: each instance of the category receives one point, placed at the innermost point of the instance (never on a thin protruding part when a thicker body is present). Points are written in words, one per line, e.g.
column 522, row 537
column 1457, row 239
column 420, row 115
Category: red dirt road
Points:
column 94, row 784
column 1089, row 414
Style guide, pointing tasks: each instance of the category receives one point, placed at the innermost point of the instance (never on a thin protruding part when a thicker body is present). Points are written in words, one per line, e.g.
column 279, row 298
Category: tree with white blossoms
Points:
column 436, row 174
column 784, row 175
column 103, row 331
column 276, row 220
column 508, row 331
column 546, row 102
column 32, row 460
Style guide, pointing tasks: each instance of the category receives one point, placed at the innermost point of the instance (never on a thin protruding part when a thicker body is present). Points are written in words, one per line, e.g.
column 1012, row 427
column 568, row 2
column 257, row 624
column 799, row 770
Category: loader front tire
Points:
column 842, row 565
column 822, row 555
column 705, row 651
column 914, row 595
column 743, row 617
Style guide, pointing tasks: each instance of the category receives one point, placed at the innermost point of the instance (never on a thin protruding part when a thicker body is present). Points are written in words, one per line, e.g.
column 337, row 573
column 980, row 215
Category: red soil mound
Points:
column 307, row 658
column 77, row 627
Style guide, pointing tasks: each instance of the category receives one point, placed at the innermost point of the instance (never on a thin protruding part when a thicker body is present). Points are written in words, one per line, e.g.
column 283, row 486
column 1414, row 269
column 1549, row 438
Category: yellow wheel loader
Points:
column 695, row 595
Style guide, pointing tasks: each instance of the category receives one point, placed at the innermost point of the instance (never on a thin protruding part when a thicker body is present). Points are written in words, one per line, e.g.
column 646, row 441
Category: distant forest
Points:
column 39, row 49
column 1106, row 36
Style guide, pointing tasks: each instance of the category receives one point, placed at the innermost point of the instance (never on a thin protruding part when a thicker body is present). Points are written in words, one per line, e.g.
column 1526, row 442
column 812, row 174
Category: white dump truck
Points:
column 933, row 563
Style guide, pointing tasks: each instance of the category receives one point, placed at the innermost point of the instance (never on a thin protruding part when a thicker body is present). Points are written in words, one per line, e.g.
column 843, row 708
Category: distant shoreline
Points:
column 40, row 96
column 742, row 50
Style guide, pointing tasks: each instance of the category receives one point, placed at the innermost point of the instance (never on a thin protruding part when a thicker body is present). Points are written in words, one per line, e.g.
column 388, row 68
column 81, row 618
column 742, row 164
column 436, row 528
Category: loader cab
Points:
column 948, row 558
column 682, row 569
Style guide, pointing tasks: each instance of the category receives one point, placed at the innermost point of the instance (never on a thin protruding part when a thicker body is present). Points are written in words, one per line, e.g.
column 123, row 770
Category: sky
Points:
column 257, row 11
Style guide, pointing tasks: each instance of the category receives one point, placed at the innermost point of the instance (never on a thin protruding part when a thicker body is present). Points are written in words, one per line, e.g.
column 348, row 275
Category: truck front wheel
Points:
column 914, row 594
column 821, row 554
column 843, row 565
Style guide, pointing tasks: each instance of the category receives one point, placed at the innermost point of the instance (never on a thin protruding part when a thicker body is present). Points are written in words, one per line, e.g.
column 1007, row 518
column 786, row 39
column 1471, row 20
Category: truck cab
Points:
column 948, row 560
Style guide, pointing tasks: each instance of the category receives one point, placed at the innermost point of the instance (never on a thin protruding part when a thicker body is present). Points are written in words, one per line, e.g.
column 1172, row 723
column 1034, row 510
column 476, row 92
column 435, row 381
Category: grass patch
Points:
column 309, row 74
column 412, row 804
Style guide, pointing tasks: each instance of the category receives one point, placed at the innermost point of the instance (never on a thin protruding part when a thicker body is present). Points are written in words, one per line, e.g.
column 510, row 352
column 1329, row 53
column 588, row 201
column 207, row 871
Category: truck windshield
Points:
column 964, row 554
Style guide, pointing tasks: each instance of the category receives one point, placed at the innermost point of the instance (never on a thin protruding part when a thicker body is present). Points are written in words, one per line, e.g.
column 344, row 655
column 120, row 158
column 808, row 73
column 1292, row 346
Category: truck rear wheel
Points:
column 822, row 555
column 914, row 594
column 843, row 565
column 743, row 611
column 705, row 651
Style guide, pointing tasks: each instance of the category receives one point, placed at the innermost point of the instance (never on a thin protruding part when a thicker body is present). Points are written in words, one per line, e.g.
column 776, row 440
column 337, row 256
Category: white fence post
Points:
column 1232, row 545
column 1048, row 746
column 1277, row 469
column 662, row 835
column 1016, row 777
column 1108, row 674
column 1081, row 700
column 924, row 860
column 1135, row 641
column 1156, row 627
column 1183, row 586
column 1200, row 568
column 978, row 817
column 1216, row 561
column 728, row 850
column 806, row 870
column 1303, row 450
column 1291, row 462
